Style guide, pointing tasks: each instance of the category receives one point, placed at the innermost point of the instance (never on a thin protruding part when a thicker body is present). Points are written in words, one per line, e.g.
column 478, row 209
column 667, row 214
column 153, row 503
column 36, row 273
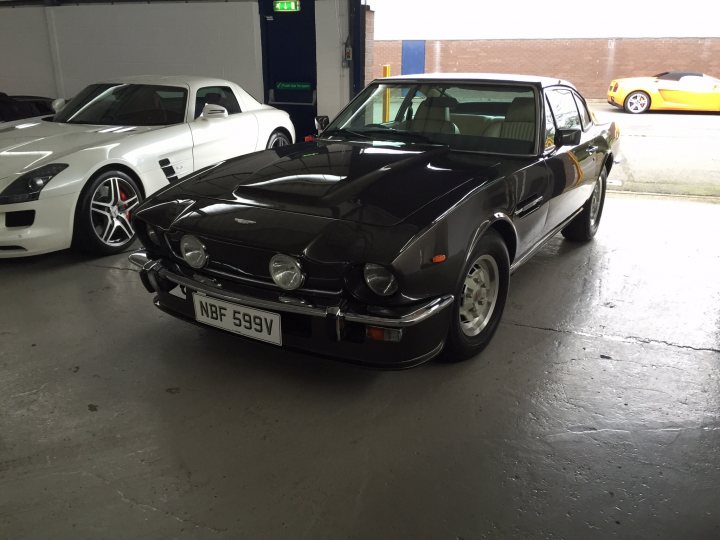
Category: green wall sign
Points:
column 293, row 86
column 285, row 6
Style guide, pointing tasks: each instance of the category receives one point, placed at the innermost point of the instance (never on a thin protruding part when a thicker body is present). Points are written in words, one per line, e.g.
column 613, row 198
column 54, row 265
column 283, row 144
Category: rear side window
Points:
column 584, row 113
column 216, row 95
column 549, row 127
column 564, row 108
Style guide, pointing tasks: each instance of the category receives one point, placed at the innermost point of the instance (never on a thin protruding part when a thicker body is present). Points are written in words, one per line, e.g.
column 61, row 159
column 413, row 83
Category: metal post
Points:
column 386, row 100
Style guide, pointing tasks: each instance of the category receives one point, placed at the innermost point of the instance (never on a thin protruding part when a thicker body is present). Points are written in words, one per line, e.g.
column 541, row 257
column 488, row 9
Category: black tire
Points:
column 278, row 138
column 637, row 102
column 585, row 224
column 99, row 229
column 460, row 344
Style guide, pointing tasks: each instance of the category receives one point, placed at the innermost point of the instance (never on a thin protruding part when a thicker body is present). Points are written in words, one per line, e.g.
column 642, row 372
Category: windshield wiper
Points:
column 345, row 132
column 409, row 135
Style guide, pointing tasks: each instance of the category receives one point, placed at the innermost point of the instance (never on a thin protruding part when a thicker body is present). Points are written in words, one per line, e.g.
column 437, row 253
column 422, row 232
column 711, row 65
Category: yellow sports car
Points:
column 667, row 91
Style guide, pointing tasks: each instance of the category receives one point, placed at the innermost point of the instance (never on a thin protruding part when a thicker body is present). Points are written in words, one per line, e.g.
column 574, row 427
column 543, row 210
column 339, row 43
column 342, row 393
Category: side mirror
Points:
column 567, row 137
column 58, row 104
column 213, row 111
column 321, row 122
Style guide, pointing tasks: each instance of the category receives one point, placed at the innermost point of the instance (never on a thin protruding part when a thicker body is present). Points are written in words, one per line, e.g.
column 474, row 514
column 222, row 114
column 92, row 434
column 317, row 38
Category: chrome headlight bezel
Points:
column 28, row 186
column 286, row 272
column 193, row 251
column 380, row 279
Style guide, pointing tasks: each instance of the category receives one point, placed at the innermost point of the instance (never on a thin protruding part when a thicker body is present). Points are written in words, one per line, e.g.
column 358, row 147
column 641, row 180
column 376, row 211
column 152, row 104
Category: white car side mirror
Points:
column 213, row 111
column 58, row 104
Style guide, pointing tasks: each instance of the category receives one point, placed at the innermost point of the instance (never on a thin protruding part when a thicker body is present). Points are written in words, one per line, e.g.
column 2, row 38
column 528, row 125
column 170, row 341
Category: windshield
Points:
column 126, row 105
column 463, row 116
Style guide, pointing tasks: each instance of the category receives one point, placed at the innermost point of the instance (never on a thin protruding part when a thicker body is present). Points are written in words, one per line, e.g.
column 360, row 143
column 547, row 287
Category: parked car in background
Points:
column 77, row 177
column 18, row 107
column 667, row 91
column 391, row 236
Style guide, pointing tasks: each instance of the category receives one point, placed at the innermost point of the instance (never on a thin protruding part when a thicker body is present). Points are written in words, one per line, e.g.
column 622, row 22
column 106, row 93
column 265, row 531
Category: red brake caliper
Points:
column 123, row 197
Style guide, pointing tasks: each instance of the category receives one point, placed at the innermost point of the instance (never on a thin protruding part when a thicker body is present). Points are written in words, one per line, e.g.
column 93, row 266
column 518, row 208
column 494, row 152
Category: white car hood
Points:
column 33, row 142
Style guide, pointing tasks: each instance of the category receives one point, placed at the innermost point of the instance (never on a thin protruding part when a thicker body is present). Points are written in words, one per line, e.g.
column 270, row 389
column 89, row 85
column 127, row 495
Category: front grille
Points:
column 23, row 218
column 250, row 265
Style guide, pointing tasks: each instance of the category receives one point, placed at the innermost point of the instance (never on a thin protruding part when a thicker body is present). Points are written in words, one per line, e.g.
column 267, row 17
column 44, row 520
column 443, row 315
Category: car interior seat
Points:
column 519, row 121
column 433, row 116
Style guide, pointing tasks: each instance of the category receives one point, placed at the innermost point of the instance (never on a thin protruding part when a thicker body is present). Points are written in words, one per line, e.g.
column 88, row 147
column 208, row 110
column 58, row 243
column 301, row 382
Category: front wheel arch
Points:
column 122, row 168
column 281, row 130
column 501, row 224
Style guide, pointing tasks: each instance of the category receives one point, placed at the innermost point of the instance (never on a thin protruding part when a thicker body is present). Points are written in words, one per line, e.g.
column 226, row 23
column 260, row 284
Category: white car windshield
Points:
column 464, row 116
column 126, row 105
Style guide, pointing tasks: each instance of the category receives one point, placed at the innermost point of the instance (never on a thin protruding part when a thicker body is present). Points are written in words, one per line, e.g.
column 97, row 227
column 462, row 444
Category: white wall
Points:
column 25, row 64
column 331, row 30
column 93, row 42
column 56, row 51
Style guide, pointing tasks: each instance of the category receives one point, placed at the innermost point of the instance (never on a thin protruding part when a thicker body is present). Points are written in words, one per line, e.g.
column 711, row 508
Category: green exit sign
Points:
column 285, row 6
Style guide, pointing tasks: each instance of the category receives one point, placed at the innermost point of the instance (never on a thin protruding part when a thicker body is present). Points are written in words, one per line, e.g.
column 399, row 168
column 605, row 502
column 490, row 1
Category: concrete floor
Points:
column 595, row 411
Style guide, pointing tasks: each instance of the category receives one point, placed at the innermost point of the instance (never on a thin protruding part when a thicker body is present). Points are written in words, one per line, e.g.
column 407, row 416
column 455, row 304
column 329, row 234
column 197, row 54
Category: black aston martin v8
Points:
column 393, row 234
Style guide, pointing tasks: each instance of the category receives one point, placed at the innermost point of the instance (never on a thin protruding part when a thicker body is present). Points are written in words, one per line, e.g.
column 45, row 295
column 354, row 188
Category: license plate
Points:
column 243, row 320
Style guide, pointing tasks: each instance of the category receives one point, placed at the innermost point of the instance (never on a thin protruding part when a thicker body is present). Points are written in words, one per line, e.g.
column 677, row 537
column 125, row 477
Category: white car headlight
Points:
column 286, row 272
column 380, row 280
column 28, row 186
column 193, row 251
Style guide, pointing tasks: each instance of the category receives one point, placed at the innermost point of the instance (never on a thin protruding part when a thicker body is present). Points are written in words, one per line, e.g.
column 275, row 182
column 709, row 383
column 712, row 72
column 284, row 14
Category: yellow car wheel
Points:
column 637, row 102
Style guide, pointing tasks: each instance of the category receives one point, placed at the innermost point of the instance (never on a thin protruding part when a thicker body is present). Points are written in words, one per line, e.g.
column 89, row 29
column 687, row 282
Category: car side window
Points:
column 564, row 108
column 216, row 95
column 694, row 81
column 584, row 113
column 549, row 127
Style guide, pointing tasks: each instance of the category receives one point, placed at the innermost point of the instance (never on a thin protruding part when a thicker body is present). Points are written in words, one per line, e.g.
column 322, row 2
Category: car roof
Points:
column 484, row 77
column 170, row 80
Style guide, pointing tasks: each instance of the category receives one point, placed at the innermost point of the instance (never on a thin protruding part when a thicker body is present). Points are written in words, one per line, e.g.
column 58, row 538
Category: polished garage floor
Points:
column 594, row 413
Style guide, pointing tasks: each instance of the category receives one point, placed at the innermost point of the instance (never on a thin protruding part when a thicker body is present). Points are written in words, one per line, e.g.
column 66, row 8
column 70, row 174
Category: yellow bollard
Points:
column 386, row 100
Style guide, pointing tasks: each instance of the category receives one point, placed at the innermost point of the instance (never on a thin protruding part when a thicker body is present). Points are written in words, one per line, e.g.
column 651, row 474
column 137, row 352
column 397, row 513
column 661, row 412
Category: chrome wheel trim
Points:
column 638, row 102
column 479, row 295
column 111, row 205
column 595, row 201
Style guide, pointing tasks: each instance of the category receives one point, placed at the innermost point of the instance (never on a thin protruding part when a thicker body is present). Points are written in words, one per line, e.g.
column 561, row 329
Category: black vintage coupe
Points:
column 392, row 236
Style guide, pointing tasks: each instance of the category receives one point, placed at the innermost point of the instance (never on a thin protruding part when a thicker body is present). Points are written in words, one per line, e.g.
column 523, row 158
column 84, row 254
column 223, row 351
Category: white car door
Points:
column 218, row 139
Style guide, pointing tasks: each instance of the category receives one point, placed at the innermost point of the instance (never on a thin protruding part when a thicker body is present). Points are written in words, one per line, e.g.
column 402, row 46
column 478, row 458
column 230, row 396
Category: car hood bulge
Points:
column 30, row 143
column 362, row 183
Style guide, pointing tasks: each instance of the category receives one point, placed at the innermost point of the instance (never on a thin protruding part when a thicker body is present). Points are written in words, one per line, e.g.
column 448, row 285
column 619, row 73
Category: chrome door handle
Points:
column 592, row 149
column 525, row 208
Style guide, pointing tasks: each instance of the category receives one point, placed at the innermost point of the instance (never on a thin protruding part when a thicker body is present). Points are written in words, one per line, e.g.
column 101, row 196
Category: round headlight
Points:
column 380, row 280
column 286, row 272
column 193, row 251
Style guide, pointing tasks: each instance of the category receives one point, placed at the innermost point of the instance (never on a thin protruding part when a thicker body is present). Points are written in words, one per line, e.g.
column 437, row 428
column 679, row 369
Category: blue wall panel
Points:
column 413, row 57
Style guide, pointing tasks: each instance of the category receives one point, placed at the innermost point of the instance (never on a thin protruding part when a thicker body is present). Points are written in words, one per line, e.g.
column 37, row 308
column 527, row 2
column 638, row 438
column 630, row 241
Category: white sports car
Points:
column 75, row 178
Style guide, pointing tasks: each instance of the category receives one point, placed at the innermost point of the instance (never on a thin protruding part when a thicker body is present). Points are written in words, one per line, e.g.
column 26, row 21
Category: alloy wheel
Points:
column 280, row 140
column 637, row 102
column 595, row 202
column 479, row 296
column 111, row 209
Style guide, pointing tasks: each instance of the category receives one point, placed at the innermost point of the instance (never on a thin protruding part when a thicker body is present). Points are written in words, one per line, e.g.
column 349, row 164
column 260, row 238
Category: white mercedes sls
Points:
column 74, row 179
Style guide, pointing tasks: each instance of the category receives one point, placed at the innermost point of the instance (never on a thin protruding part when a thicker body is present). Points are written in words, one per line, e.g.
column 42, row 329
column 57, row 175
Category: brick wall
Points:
column 590, row 64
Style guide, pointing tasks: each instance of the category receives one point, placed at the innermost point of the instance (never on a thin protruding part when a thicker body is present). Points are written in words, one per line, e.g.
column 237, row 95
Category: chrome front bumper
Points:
column 415, row 316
